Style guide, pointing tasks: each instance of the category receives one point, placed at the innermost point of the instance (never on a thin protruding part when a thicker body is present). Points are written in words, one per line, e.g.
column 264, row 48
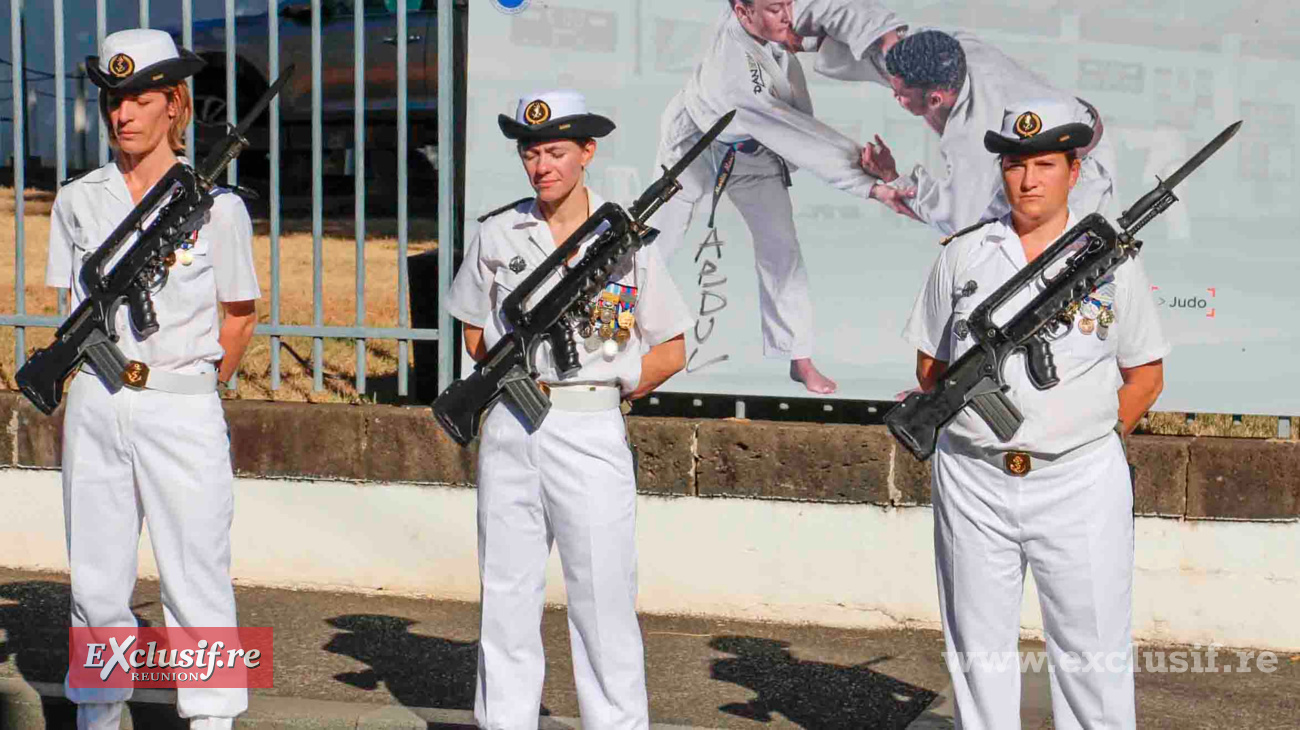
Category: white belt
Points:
column 582, row 398
column 1020, row 463
column 139, row 376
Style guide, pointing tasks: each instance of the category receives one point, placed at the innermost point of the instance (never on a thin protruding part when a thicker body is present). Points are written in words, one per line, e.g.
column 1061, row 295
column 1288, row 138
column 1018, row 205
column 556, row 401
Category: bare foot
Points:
column 803, row 371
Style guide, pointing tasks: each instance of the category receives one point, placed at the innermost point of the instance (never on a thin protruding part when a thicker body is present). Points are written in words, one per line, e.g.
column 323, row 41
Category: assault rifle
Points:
column 181, row 200
column 508, row 370
column 1091, row 250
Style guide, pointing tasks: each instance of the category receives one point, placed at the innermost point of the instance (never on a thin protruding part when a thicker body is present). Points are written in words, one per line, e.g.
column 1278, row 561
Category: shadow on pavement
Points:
column 813, row 694
column 35, row 629
column 417, row 670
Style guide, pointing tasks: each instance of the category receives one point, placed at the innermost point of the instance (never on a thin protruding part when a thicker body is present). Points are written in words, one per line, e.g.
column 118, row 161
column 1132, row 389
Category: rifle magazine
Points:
column 998, row 412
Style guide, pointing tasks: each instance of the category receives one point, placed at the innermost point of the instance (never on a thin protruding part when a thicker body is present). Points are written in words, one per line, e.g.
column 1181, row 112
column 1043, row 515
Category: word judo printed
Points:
column 166, row 658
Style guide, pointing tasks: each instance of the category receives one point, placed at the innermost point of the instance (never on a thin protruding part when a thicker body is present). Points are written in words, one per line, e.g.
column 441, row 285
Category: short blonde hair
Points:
column 178, row 94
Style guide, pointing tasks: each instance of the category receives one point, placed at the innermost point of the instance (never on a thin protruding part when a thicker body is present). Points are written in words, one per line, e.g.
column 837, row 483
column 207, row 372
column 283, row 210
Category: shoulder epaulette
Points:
column 503, row 209
column 949, row 239
column 76, row 177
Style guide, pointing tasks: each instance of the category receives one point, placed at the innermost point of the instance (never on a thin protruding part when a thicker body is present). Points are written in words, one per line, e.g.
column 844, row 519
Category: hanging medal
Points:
column 1104, row 321
column 184, row 256
column 612, row 320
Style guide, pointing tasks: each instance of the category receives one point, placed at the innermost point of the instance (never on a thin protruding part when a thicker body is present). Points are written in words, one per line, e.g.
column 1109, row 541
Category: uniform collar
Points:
column 959, row 106
column 110, row 176
column 1003, row 234
column 540, row 233
column 738, row 32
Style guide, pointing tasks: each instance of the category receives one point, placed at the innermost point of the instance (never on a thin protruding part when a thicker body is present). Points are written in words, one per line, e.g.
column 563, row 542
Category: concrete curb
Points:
column 21, row 708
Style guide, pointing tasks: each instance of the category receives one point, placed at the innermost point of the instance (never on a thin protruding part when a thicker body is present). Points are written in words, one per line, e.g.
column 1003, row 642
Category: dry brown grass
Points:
column 338, row 285
column 338, row 288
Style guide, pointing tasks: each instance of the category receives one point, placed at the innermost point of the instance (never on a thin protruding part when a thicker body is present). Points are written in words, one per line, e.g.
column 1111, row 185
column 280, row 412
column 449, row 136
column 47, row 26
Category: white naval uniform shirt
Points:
column 485, row 279
column 969, row 187
column 766, row 86
column 85, row 213
column 1084, row 406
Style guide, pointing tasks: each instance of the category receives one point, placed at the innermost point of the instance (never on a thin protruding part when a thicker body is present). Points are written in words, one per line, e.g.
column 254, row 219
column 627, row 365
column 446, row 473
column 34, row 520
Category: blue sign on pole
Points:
column 511, row 6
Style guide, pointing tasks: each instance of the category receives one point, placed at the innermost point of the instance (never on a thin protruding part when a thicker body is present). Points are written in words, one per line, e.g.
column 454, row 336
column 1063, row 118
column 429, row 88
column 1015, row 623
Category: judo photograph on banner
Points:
column 804, row 233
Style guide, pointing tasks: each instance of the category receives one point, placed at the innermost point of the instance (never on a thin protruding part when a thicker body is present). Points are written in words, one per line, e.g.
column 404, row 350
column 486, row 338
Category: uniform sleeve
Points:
column 661, row 312
column 1141, row 339
column 232, row 251
column 470, row 300
column 835, row 60
column 929, row 326
column 58, row 261
column 801, row 138
column 963, row 194
column 855, row 24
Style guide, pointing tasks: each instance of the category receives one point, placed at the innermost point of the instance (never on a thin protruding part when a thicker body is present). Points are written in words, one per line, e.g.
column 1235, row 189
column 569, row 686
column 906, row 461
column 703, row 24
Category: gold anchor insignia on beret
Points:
column 1028, row 124
column 537, row 112
column 121, row 66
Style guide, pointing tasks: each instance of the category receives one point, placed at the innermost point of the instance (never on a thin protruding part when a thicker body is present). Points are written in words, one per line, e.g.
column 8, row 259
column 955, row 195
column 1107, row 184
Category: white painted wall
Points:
column 1234, row 583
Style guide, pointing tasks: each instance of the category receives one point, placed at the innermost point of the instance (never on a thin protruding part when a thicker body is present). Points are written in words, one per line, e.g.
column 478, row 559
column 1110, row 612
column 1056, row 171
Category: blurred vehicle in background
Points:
column 251, row 59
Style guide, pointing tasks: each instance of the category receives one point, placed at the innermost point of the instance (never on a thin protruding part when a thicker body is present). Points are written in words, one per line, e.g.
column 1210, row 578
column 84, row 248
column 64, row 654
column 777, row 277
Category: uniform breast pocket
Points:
column 192, row 259
column 965, row 299
column 504, row 283
column 85, row 242
column 81, row 250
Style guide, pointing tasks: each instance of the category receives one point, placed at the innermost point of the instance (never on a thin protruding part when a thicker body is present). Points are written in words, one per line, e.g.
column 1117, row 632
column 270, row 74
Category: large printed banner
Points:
column 1163, row 76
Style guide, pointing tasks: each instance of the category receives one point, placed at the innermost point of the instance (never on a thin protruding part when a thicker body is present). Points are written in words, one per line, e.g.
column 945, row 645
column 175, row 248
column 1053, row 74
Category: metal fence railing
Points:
column 361, row 331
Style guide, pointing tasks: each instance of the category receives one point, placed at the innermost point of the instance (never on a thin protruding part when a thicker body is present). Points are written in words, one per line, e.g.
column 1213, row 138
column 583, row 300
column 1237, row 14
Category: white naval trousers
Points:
column 1071, row 522
column 758, row 191
column 164, row 458
column 570, row 482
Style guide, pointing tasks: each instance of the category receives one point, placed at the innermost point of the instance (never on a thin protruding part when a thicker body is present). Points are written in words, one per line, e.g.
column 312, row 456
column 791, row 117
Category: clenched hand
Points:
column 878, row 160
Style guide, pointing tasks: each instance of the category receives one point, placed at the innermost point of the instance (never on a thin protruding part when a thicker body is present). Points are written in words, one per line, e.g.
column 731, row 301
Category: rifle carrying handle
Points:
column 1040, row 365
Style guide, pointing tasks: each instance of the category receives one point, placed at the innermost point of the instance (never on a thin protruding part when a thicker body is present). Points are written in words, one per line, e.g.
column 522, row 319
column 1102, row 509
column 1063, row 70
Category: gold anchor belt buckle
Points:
column 136, row 375
column 1017, row 463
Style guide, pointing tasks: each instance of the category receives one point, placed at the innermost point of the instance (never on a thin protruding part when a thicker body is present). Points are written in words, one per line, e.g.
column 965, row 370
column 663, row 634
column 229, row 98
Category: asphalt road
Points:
column 386, row 650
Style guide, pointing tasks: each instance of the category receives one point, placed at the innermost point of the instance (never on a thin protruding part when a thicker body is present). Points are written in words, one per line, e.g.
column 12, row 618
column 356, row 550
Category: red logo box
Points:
column 167, row 658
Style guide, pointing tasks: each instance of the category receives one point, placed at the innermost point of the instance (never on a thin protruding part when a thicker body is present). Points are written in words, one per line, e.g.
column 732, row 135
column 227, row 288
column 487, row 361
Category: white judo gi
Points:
column 775, row 133
column 970, row 188
column 571, row 482
column 152, row 455
column 1070, row 518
